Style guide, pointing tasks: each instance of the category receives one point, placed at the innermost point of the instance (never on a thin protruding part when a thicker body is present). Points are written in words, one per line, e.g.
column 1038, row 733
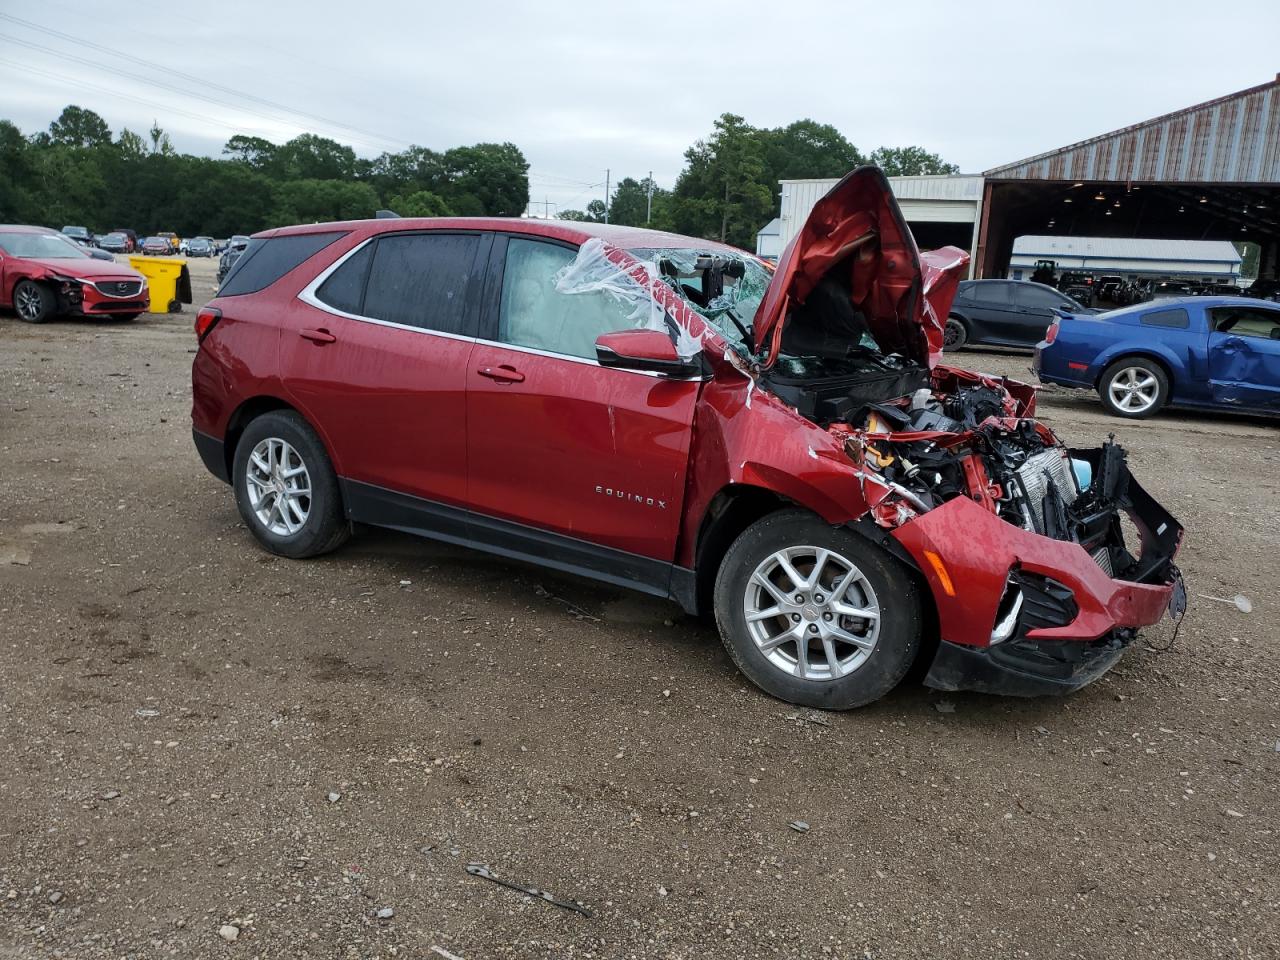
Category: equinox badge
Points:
column 631, row 497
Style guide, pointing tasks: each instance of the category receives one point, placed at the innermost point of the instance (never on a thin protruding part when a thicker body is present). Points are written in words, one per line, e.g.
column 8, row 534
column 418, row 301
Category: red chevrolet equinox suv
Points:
column 779, row 448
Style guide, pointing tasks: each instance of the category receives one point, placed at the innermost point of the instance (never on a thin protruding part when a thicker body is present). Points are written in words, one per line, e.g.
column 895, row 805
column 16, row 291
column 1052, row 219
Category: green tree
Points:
column 131, row 145
column 593, row 214
column 807, row 150
column 254, row 151
column 910, row 161
column 488, row 179
column 420, row 203
column 313, row 201
column 630, row 205
column 160, row 142
column 308, row 157
column 78, row 127
column 722, row 193
column 17, row 176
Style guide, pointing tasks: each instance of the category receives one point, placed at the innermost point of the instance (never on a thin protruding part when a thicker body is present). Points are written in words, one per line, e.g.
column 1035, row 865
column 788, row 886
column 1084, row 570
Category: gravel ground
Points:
column 209, row 752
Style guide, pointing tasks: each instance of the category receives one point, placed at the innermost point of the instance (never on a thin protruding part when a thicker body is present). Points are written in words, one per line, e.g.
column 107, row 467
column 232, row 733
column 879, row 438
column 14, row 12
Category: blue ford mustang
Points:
column 1218, row 353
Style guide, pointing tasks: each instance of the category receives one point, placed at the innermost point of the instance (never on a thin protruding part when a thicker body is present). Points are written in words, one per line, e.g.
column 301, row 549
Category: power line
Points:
column 167, row 86
column 63, row 78
column 240, row 94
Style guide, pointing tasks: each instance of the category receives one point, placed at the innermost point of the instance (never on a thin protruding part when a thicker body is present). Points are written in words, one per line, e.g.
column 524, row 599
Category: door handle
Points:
column 317, row 336
column 503, row 373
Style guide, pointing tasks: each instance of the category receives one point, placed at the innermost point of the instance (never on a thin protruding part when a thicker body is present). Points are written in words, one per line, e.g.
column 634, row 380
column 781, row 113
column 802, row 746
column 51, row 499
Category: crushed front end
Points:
column 1021, row 540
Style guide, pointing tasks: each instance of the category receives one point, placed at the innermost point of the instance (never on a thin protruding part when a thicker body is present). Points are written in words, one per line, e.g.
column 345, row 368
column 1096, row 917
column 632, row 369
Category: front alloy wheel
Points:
column 812, row 613
column 817, row 614
column 33, row 302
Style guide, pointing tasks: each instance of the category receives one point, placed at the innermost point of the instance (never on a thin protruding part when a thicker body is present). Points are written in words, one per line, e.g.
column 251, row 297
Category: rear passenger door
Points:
column 377, row 356
column 1034, row 308
column 992, row 308
column 594, row 456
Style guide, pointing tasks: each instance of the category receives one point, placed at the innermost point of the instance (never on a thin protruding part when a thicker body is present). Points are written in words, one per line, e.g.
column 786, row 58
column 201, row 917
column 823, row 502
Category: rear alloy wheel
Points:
column 815, row 614
column 1133, row 388
column 286, row 489
column 33, row 302
column 954, row 335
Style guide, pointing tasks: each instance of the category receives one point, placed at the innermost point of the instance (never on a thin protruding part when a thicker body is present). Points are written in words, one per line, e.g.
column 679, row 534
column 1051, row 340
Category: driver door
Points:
column 555, row 441
column 1244, row 356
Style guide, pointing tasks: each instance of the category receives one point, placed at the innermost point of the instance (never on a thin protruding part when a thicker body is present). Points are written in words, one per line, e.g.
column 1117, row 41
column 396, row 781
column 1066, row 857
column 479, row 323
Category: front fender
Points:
column 745, row 436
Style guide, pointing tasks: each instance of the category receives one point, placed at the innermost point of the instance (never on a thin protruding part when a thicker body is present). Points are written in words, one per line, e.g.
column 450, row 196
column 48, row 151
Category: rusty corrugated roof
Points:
column 1234, row 139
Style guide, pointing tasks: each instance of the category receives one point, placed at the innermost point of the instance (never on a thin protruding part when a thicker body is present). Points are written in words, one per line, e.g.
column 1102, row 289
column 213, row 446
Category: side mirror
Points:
column 650, row 350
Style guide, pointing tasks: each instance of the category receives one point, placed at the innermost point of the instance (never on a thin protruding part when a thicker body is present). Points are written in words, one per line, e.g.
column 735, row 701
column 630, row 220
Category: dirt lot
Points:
column 194, row 735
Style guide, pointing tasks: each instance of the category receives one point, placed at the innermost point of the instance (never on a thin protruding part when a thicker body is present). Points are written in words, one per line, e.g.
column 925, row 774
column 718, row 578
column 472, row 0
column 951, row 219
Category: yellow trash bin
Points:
column 169, row 282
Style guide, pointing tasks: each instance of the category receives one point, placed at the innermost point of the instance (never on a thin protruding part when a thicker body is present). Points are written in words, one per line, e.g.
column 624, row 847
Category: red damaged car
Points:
column 44, row 274
column 663, row 413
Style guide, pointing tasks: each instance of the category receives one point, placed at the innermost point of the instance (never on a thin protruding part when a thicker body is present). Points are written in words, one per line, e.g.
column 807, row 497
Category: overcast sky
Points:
column 582, row 87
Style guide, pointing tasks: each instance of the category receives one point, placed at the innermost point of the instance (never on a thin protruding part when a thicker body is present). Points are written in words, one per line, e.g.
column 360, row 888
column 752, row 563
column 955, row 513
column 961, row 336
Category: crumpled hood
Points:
column 88, row 269
column 857, row 227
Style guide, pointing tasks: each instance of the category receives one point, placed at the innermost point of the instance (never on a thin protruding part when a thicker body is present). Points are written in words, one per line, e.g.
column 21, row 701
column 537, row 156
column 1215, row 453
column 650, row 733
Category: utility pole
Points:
column 648, row 207
column 606, row 195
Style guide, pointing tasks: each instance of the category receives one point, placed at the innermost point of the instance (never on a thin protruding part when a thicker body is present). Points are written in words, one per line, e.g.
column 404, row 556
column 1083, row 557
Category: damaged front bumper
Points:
column 1023, row 614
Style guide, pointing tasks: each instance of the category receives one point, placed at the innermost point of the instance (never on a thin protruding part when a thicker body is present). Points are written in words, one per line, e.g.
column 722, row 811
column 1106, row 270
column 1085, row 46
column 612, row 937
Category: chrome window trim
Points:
column 308, row 296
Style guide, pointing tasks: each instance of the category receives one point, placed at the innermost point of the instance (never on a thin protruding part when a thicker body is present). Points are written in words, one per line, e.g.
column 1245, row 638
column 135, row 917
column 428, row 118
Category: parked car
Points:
column 81, row 235
column 1170, row 290
column 1264, row 289
column 174, row 242
column 1218, row 353
column 44, row 274
column 1108, row 288
column 1007, row 313
column 1079, row 286
column 114, row 243
column 132, row 236
column 235, row 246
column 199, row 247
column 663, row 413
column 156, row 247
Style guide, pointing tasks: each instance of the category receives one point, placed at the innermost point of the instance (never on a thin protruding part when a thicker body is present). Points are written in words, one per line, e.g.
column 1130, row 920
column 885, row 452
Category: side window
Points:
column 344, row 289
column 421, row 280
column 534, row 314
column 266, row 261
column 994, row 292
column 1032, row 296
column 1167, row 318
column 1247, row 322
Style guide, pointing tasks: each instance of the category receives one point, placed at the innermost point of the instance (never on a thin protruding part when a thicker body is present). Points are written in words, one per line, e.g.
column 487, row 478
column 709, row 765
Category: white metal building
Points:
column 769, row 240
column 939, row 209
column 1126, row 257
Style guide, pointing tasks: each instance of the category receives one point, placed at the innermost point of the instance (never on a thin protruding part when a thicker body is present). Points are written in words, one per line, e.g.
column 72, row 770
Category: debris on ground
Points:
column 799, row 826
column 385, row 913
column 444, row 953
column 944, row 706
column 482, row 871
column 229, row 933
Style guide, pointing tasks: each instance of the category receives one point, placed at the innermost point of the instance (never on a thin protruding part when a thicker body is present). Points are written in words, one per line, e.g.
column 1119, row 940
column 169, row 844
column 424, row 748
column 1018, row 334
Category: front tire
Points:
column 816, row 615
column 34, row 302
column 1134, row 388
column 285, row 487
column 955, row 334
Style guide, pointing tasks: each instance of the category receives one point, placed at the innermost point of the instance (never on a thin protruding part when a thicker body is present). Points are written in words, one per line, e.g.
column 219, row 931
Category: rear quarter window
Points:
column 1177, row 319
column 266, row 261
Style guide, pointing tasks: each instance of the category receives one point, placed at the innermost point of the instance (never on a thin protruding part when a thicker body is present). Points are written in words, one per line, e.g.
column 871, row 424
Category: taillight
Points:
column 1051, row 334
column 206, row 320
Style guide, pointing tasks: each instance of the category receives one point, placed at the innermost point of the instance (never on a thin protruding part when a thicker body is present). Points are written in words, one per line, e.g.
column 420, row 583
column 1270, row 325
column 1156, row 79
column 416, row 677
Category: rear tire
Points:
column 285, row 487
column 34, row 302
column 955, row 334
column 813, row 650
column 1134, row 388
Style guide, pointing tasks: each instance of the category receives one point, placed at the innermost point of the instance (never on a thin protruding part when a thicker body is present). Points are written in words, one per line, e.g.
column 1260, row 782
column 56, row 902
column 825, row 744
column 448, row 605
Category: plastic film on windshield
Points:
column 631, row 280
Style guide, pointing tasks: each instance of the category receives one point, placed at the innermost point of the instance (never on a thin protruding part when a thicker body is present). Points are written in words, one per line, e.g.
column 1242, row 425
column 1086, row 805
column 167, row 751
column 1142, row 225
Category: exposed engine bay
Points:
column 967, row 440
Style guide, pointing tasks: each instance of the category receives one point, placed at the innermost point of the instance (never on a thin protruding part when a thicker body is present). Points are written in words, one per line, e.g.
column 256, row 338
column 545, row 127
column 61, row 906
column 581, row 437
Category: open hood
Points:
column 856, row 243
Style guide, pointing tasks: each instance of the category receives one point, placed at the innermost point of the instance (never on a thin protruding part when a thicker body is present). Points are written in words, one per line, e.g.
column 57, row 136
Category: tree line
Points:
column 79, row 172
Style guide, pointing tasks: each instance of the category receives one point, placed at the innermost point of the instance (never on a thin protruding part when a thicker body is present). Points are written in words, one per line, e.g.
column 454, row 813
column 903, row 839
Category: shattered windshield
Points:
column 724, row 288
